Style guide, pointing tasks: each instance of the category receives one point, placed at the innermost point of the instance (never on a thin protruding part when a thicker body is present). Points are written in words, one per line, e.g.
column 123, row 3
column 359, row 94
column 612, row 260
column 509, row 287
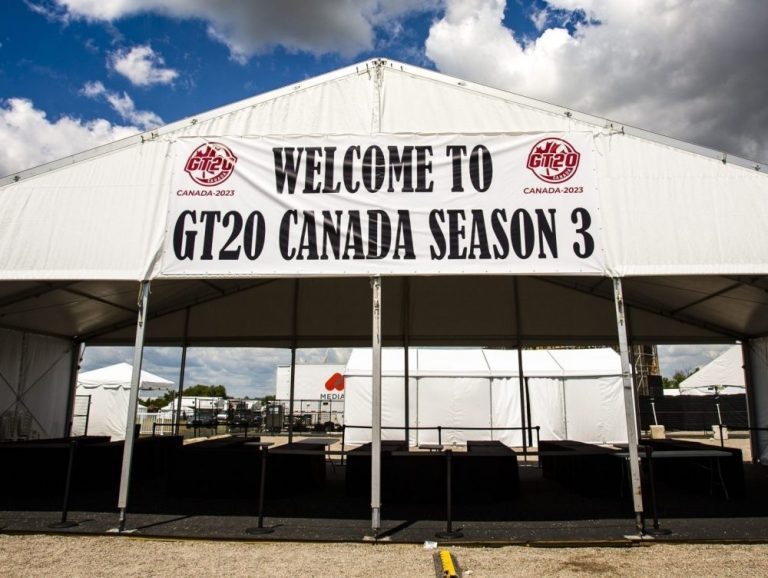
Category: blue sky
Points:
column 78, row 73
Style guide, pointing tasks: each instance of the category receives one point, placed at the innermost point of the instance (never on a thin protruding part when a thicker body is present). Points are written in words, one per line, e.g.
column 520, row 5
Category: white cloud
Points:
column 36, row 140
column 686, row 358
column 142, row 66
column 93, row 89
column 341, row 26
column 123, row 105
column 670, row 66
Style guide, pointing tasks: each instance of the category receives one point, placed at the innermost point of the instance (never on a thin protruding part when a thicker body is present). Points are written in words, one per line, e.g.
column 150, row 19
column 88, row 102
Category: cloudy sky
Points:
column 79, row 73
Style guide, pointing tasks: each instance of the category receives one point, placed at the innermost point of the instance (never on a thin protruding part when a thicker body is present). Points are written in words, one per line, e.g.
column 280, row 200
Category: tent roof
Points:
column 119, row 375
column 682, row 225
column 428, row 362
column 725, row 370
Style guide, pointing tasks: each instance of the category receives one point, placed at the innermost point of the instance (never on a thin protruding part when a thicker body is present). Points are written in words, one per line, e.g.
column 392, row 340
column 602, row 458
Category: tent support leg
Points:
column 133, row 401
column 182, row 371
column 293, row 358
column 406, row 361
column 520, row 372
column 749, row 389
column 78, row 349
column 376, row 411
column 629, row 406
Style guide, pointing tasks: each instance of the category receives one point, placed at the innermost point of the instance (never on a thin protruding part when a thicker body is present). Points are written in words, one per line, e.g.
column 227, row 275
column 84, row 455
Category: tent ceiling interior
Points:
column 442, row 310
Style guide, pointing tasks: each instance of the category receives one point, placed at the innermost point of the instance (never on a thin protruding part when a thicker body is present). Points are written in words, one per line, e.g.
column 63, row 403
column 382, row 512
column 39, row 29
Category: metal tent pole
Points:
column 629, row 406
column 133, row 400
column 376, row 411
column 182, row 371
column 520, row 375
column 749, row 390
column 78, row 349
column 293, row 357
column 528, row 412
column 406, row 344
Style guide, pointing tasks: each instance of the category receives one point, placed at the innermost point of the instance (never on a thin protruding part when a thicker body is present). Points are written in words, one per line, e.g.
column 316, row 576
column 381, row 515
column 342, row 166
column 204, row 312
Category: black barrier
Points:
column 260, row 529
column 656, row 530
column 449, row 532
column 725, row 426
column 64, row 523
column 693, row 412
column 440, row 429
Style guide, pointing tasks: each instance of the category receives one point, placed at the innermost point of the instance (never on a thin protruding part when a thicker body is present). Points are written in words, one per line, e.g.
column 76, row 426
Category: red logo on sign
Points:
column 553, row 160
column 336, row 381
column 210, row 164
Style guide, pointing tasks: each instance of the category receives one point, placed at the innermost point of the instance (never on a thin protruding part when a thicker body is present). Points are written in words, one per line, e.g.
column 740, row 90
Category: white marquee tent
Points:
column 723, row 375
column 478, row 217
column 314, row 389
column 310, row 382
column 109, row 390
column 573, row 394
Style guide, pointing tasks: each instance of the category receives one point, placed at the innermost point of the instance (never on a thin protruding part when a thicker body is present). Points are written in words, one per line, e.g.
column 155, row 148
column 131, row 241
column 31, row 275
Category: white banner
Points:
column 361, row 205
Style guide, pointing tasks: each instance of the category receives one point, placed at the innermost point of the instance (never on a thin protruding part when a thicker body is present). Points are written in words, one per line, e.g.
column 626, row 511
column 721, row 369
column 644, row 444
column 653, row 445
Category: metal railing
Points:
column 439, row 428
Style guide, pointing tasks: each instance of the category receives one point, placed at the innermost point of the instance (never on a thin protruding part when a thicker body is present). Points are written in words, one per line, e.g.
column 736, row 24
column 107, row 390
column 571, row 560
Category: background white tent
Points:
column 109, row 390
column 723, row 375
column 309, row 388
column 574, row 394
column 194, row 405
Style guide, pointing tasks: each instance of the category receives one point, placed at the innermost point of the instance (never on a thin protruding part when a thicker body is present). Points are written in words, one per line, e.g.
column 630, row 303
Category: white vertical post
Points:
column 406, row 360
column 78, row 350
column 376, row 411
column 133, row 401
column 629, row 405
column 294, row 330
column 520, row 374
column 182, row 372
column 749, row 390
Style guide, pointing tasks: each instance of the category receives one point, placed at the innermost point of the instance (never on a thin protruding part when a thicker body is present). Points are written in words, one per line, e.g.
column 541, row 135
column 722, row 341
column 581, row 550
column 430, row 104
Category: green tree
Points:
column 677, row 378
column 201, row 390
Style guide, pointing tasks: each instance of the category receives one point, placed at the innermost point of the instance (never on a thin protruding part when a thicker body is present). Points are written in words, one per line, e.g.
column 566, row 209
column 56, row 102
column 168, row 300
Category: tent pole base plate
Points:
column 658, row 532
column 60, row 525
column 259, row 531
column 450, row 535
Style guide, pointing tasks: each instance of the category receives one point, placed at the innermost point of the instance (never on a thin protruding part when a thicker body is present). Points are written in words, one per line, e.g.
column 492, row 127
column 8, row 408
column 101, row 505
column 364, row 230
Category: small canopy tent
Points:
column 109, row 391
column 724, row 375
column 572, row 393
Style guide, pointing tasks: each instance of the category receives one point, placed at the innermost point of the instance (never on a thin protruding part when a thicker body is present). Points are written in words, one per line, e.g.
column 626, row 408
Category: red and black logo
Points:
column 553, row 160
column 336, row 381
column 211, row 164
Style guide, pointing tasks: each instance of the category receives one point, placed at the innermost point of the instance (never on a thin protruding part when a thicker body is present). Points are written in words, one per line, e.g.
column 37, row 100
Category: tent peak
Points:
column 385, row 66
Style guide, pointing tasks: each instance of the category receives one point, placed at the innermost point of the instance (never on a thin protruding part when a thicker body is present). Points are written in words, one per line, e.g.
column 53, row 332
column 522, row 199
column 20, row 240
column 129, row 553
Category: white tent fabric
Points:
column 309, row 383
column 109, row 390
column 758, row 368
column 34, row 385
column 119, row 375
column 573, row 394
column 723, row 375
column 673, row 197
column 682, row 225
column 310, row 391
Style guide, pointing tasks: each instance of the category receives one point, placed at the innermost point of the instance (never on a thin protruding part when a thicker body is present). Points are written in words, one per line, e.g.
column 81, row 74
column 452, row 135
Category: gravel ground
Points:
column 121, row 556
